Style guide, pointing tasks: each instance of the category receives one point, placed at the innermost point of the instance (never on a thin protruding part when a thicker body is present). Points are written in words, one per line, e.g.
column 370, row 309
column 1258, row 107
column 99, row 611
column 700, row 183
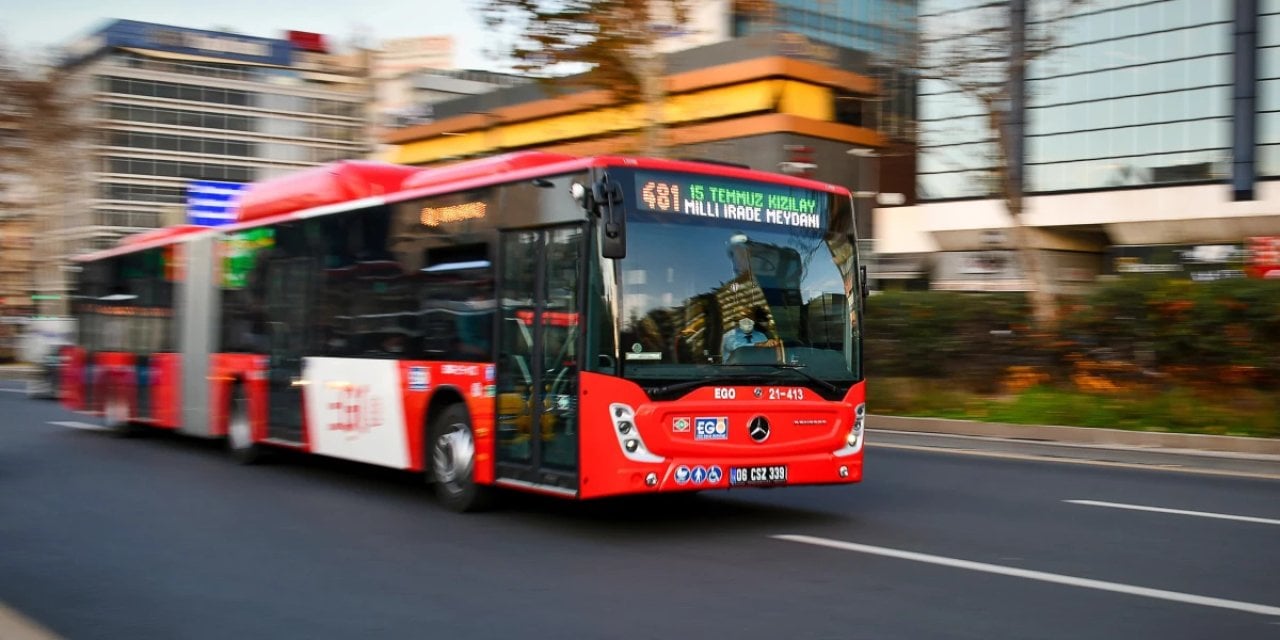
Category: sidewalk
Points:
column 17, row 371
column 15, row 626
column 1254, row 457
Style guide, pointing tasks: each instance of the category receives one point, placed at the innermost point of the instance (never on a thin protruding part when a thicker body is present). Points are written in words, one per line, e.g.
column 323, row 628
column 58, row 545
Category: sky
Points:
column 38, row 24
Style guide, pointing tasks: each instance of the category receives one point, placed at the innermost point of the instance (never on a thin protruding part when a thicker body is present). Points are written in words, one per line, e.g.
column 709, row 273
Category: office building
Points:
column 757, row 101
column 410, row 97
column 16, row 285
column 1152, row 144
column 171, row 107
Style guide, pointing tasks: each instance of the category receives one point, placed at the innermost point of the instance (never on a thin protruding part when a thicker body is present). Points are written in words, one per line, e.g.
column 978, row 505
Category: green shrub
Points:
column 968, row 339
column 1225, row 332
column 1135, row 332
column 1140, row 353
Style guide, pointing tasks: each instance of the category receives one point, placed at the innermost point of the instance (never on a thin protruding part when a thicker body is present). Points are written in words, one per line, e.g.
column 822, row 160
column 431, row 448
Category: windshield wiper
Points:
column 798, row 368
column 694, row 384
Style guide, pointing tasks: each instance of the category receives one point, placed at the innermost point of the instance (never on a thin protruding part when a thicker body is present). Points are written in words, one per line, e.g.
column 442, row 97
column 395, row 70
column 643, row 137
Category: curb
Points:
column 15, row 626
column 1080, row 435
column 17, row 372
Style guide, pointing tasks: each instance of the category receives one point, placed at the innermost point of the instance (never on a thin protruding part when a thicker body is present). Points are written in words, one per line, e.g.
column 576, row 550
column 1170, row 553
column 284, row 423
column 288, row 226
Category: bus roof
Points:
column 163, row 233
column 332, row 183
column 347, row 181
column 149, row 239
column 500, row 165
column 525, row 165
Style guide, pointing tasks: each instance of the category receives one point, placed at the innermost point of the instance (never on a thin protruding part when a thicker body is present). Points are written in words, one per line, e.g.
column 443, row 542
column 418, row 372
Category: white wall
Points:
column 1160, row 215
column 43, row 334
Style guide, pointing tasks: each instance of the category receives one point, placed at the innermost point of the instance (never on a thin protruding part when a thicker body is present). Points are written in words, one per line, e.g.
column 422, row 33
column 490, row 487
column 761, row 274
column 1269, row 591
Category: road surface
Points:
column 163, row 537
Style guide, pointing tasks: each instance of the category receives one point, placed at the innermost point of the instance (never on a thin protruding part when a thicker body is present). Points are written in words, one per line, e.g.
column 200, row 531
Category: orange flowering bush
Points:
column 1129, row 335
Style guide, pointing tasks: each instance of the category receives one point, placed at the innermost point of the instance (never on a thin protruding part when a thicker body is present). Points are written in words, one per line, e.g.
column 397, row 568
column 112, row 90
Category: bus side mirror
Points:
column 607, row 201
column 862, row 276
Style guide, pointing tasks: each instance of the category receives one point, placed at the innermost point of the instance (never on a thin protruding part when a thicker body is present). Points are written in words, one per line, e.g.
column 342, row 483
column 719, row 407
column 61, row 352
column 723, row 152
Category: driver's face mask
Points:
column 746, row 324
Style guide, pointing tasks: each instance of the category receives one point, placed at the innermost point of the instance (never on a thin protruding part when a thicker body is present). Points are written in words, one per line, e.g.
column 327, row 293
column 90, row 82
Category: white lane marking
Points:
column 14, row 390
column 1042, row 576
column 15, row 626
column 1180, row 512
column 1080, row 461
column 87, row 426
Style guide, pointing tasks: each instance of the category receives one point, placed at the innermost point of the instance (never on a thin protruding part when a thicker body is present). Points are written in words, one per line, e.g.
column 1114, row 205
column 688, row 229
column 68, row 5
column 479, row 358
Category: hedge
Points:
column 1130, row 332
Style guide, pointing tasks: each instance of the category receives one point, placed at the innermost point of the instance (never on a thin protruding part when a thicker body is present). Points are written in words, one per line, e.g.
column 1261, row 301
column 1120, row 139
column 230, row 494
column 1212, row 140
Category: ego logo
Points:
column 725, row 393
column 354, row 410
column 711, row 428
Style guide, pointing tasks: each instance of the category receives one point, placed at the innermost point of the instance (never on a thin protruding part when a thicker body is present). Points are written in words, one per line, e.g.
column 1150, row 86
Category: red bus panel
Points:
column 328, row 184
column 697, row 441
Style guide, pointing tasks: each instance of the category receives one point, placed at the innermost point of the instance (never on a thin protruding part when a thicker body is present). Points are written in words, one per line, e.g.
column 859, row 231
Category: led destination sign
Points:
column 731, row 200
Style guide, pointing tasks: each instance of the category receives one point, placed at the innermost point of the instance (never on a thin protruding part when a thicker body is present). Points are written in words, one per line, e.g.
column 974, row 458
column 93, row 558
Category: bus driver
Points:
column 746, row 334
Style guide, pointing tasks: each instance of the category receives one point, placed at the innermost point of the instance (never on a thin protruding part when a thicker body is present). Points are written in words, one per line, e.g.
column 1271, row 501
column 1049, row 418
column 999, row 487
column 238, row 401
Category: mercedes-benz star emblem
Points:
column 758, row 429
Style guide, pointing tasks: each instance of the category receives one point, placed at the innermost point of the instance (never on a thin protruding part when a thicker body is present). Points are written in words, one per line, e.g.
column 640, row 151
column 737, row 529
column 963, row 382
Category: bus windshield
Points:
column 729, row 279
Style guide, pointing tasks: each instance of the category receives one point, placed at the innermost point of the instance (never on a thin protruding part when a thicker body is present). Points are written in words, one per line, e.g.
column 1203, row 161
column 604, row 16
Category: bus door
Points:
column 144, row 377
column 287, row 303
column 540, row 342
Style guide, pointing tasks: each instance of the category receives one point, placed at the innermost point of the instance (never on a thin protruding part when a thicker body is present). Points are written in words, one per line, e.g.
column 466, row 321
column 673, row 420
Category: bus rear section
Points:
column 127, row 364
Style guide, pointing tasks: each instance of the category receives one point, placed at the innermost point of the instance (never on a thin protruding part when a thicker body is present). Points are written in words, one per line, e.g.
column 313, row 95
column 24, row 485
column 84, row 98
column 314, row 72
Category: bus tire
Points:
column 451, row 456
column 115, row 415
column 240, row 442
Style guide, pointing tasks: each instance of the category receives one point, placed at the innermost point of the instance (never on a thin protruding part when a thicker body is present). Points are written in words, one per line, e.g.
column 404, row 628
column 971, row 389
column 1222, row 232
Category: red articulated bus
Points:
column 579, row 327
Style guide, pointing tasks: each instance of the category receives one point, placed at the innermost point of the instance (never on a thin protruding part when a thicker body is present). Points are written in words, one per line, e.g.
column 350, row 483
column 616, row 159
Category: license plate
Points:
column 748, row 476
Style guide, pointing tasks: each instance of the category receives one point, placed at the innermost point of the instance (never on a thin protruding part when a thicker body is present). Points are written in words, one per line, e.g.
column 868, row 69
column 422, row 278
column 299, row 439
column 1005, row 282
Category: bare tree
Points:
column 39, row 129
column 35, row 109
column 613, row 43
column 981, row 52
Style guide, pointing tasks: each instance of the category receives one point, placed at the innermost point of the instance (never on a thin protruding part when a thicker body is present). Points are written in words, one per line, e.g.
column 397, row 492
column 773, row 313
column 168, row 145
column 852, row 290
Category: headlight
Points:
column 624, row 426
column 853, row 440
column 859, row 419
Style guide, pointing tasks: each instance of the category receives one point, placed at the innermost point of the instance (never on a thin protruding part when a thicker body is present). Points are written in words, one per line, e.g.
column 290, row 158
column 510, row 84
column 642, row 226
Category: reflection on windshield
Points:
column 700, row 295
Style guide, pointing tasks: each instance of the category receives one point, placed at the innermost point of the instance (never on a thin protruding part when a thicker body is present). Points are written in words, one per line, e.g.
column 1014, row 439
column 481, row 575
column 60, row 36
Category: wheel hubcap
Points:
column 452, row 455
column 238, row 430
column 116, row 412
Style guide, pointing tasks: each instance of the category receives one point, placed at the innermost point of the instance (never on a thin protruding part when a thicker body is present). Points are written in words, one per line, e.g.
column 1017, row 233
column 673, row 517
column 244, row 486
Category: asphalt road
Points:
column 163, row 537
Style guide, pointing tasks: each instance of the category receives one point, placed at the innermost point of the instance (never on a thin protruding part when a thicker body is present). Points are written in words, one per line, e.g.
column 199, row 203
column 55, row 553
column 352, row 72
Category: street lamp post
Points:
column 860, row 194
column 862, row 191
column 991, row 263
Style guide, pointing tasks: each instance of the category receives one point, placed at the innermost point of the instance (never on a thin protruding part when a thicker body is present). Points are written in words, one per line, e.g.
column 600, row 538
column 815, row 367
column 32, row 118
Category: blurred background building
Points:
column 1152, row 144
column 1152, row 137
column 17, row 238
column 793, row 89
column 409, row 98
column 410, row 75
column 760, row 101
column 179, row 120
column 17, row 234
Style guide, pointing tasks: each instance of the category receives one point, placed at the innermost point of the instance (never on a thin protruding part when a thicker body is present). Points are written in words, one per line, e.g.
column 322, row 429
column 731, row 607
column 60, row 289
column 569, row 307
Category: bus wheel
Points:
column 453, row 453
column 115, row 415
column 240, row 430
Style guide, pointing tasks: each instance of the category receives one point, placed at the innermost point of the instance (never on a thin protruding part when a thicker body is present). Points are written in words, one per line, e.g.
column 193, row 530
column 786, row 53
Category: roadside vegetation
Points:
column 1138, row 353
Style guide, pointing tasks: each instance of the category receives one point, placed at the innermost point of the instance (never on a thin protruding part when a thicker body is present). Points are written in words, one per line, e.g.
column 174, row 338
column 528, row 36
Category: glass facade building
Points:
column 1137, row 92
column 1150, row 129
column 877, row 26
column 886, row 29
